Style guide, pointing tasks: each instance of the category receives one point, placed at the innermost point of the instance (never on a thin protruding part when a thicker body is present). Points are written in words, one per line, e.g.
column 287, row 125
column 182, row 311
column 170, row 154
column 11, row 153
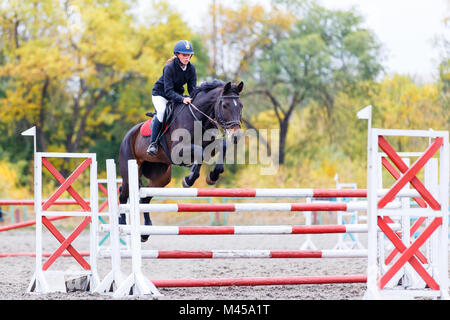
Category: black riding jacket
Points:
column 170, row 84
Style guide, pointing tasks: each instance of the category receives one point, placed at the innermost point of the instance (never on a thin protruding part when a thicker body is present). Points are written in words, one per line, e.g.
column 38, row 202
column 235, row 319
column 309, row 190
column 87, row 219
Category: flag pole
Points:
column 31, row 132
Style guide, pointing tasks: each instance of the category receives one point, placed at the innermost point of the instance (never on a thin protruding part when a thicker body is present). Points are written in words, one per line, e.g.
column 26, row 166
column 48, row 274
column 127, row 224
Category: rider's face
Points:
column 184, row 58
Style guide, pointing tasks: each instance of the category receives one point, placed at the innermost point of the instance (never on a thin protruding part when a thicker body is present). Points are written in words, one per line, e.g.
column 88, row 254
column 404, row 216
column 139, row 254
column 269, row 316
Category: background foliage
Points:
column 82, row 72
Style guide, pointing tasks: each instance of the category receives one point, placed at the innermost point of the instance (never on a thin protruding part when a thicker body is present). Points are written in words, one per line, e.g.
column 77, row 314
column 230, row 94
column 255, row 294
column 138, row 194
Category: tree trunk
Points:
column 40, row 127
column 284, row 126
column 73, row 144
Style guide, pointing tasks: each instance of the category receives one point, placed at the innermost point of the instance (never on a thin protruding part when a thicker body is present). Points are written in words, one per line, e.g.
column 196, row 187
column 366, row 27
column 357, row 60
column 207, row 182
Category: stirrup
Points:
column 152, row 149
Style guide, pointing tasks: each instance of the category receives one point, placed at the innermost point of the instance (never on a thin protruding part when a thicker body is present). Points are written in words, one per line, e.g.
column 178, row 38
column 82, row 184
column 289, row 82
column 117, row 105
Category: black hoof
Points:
column 185, row 184
column 210, row 181
column 122, row 219
column 147, row 222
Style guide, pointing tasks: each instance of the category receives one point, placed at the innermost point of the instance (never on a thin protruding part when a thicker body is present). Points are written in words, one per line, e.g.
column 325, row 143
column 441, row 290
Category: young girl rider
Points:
column 177, row 72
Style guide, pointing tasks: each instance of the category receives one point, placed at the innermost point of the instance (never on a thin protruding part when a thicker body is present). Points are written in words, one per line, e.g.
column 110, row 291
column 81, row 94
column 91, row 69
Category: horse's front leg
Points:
column 196, row 159
column 189, row 180
column 213, row 176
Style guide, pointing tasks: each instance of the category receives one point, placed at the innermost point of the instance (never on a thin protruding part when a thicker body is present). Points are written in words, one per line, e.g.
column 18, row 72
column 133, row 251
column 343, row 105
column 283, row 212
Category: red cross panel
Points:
column 410, row 254
column 102, row 188
column 415, row 226
column 66, row 185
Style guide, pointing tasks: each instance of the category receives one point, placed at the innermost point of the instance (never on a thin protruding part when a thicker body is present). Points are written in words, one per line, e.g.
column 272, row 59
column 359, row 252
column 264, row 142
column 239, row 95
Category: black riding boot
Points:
column 156, row 127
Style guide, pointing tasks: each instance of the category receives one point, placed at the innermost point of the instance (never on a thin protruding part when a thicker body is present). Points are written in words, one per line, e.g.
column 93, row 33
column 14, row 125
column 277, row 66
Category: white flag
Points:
column 365, row 113
column 30, row 132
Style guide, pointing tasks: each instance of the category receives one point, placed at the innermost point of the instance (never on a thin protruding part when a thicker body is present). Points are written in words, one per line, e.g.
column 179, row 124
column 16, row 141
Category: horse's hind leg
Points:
column 159, row 175
column 147, row 220
column 123, row 198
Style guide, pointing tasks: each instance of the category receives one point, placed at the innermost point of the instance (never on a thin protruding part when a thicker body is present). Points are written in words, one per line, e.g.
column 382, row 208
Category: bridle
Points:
column 219, row 122
column 228, row 124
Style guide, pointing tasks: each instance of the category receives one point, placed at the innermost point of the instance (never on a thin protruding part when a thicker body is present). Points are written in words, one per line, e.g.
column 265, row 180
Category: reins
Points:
column 208, row 117
column 218, row 123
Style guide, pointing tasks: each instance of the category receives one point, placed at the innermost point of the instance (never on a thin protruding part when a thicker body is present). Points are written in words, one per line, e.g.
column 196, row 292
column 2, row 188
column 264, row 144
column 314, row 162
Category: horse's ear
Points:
column 227, row 87
column 240, row 86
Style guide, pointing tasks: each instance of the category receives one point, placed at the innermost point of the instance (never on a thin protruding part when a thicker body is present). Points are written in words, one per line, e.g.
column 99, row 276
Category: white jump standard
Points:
column 432, row 271
column 44, row 280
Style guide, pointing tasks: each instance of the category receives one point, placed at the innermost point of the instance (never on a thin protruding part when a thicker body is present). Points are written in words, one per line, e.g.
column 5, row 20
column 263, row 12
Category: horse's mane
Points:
column 207, row 86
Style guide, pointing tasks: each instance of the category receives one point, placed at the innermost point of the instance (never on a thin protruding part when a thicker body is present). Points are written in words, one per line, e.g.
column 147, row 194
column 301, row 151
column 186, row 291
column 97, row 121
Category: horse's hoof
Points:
column 122, row 219
column 184, row 183
column 144, row 238
column 209, row 181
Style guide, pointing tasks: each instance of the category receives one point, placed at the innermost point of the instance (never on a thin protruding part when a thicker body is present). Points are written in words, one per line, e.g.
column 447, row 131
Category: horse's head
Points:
column 229, row 110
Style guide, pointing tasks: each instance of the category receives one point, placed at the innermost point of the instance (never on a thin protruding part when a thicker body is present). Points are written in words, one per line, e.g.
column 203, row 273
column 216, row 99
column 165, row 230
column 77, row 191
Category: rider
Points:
column 177, row 72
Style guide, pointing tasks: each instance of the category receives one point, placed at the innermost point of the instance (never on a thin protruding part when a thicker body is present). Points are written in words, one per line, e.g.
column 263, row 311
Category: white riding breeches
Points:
column 160, row 104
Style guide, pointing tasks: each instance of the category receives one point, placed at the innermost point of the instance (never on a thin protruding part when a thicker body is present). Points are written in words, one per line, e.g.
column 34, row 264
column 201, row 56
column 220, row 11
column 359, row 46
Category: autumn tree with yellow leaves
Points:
column 75, row 67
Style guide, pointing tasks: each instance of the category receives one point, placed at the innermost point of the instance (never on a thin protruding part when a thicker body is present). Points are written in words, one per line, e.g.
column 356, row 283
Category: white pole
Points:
column 443, row 194
column 113, row 217
column 135, row 219
column 94, row 278
column 372, row 247
column 115, row 277
column 432, row 184
column 406, row 271
column 38, row 211
column 136, row 282
column 38, row 281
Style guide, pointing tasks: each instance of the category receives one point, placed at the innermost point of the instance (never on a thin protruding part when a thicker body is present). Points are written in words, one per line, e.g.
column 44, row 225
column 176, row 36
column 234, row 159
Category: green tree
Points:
column 325, row 51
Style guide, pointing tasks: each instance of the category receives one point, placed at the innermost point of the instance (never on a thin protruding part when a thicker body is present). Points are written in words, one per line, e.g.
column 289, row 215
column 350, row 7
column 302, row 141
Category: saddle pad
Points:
column 146, row 128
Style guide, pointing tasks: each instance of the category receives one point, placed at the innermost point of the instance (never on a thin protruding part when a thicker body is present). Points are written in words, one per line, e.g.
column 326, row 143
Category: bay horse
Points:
column 214, row 104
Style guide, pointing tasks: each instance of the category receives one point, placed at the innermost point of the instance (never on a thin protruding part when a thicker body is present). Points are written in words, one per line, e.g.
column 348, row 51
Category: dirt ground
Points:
column 16, row 272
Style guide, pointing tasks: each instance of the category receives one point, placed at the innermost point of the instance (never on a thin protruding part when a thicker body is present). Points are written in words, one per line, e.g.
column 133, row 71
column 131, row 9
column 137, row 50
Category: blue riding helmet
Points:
column 183, row 46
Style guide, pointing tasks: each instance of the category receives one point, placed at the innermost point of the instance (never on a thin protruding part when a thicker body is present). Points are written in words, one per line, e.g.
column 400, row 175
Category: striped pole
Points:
column 259, row 281
column 233, row 254
column 214, row 254
column 264, row 192
column 227, row 230
column 243, row 207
